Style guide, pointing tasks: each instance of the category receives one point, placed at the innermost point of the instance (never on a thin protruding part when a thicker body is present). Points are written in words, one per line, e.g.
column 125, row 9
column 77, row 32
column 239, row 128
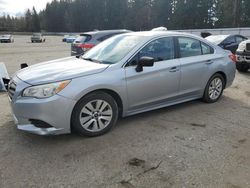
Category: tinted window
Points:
column 160, row 49
column 83, row 38
column 239, row 39
column 206, row 49
column 105, row 37
column 189, row 47
column 229, row 40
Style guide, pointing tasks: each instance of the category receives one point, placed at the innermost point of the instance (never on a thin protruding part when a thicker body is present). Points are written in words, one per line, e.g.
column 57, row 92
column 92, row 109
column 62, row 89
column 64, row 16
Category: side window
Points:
column 106, row 37
column 206, row 49
column 239, row 39
column 159, row 49
column 229, row 40
column 189, row 47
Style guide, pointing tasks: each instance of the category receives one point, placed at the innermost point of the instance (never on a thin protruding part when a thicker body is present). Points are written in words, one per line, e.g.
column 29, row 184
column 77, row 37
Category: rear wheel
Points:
column 95, row 114
column 242, row 67
column 214, row 88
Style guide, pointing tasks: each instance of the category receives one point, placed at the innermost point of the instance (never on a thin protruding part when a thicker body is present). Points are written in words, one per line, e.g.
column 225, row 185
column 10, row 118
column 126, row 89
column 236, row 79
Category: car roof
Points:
column 152, row 34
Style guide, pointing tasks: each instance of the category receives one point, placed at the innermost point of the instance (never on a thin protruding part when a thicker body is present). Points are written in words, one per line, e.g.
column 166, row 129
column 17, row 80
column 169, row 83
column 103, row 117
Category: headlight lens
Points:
column 242, row 46
column 46, row 90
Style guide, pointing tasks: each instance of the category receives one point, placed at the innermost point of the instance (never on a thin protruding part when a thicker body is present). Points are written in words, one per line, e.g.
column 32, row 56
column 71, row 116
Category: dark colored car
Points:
column 227, row 42
column 89, row 39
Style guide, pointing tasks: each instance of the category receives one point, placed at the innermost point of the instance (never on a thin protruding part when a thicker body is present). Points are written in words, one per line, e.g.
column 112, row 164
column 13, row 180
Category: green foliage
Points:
column 86, row 15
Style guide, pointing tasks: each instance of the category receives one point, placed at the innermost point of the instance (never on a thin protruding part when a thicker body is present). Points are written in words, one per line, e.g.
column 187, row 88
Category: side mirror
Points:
column 144, row 62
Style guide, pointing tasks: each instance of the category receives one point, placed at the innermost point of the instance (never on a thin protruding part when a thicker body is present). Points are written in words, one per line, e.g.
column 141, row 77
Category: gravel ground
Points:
column 188, row 145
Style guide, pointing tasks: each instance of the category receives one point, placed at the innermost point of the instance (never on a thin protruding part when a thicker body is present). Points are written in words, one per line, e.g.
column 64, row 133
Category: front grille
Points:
column 248, row 47
column 11, row 89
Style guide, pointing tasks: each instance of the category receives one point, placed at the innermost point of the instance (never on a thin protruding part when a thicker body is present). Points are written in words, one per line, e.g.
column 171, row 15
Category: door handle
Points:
column 209, row 62
column 173, row 69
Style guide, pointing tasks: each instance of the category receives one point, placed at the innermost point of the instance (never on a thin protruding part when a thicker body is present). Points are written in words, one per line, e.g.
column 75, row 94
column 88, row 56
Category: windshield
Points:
column 217, row 39
column 113, row 49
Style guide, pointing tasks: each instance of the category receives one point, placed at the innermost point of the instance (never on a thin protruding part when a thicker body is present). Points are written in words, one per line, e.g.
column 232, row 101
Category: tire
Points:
column 242, row 67
column 86, row 120
column 32, row 41
column 214, row 88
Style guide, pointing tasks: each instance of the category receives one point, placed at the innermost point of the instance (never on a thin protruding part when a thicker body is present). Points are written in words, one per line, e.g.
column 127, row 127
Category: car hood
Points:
column 60, row 69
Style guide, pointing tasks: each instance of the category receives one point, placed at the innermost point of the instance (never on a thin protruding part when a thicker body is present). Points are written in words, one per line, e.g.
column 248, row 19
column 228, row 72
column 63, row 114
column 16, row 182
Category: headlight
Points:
column 46, row 90
column 242, row 46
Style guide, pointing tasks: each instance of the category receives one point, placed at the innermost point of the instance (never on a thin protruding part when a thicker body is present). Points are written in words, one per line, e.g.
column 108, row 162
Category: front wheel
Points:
column 214, row 88
column 95, row 114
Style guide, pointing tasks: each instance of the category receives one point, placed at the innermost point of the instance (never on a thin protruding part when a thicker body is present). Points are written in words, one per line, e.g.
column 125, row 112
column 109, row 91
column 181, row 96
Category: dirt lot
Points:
column 188, row 145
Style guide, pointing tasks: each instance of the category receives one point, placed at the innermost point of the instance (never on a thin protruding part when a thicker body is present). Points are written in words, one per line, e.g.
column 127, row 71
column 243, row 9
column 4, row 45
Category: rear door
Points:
column 196, row 59
column 154, row 84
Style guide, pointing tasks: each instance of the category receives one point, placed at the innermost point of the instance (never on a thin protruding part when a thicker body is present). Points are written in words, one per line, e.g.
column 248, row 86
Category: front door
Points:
column 154, row 84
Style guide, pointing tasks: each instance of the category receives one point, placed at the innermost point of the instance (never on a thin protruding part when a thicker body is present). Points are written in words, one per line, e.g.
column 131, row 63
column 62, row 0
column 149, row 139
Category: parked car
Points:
column 243, row 56
column 6, row 39
column 69, row 38
column 88, row 40
column 65, row 38
column 227, row 42
column 37, row 37
column 124, row 75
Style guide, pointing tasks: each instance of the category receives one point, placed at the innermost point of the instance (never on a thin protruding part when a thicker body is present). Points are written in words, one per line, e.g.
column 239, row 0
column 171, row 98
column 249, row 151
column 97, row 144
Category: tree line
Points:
column 86, row 15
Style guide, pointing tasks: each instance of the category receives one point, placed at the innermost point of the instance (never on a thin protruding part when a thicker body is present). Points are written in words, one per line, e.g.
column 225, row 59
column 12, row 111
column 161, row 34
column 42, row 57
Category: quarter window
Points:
column 160, row 49
column 206, row 49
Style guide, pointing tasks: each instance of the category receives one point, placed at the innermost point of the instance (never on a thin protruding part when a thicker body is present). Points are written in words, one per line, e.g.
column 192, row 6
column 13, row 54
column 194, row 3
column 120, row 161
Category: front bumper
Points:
column 55, row 111
column 242, row 57
column 5, row 40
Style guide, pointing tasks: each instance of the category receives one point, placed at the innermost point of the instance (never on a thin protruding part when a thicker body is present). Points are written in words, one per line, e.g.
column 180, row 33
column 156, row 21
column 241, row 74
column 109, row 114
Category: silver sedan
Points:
column 124, row 75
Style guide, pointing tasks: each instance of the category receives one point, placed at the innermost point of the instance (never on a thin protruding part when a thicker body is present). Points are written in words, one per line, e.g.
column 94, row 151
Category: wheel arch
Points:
column 223, row 75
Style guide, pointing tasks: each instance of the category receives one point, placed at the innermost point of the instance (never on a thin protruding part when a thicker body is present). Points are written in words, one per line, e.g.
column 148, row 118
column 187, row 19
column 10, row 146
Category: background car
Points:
column 88, row 40
column 227, row 42
column 69, row 38
column 6, row 39
column 37, row 37
column 64, row 38
column 243, row 56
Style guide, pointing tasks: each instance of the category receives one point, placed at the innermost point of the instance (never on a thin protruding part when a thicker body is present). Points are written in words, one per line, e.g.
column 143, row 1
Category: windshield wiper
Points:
column 92, row 60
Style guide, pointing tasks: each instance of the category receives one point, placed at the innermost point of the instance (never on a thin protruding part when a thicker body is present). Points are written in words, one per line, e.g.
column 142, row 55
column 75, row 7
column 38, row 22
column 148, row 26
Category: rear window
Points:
column 83, row 38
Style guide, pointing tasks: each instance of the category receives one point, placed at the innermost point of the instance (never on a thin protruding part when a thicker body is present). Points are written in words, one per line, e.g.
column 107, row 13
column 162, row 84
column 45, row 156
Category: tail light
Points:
column 85, row 47
column 233, row 57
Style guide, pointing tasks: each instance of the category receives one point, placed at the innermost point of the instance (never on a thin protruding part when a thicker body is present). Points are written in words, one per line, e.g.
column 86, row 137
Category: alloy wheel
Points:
column 96, row 115
column 215, row 88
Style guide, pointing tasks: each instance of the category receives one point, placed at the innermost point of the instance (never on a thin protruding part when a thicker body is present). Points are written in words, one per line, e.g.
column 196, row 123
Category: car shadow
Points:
column 222, row 105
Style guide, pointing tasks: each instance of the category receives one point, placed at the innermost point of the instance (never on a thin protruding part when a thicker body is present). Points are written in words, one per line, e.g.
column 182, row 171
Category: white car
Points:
column 37, row 37
column 6, row 39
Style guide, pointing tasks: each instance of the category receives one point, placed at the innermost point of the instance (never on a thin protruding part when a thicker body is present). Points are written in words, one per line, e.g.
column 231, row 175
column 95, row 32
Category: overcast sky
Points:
column 16, row 7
